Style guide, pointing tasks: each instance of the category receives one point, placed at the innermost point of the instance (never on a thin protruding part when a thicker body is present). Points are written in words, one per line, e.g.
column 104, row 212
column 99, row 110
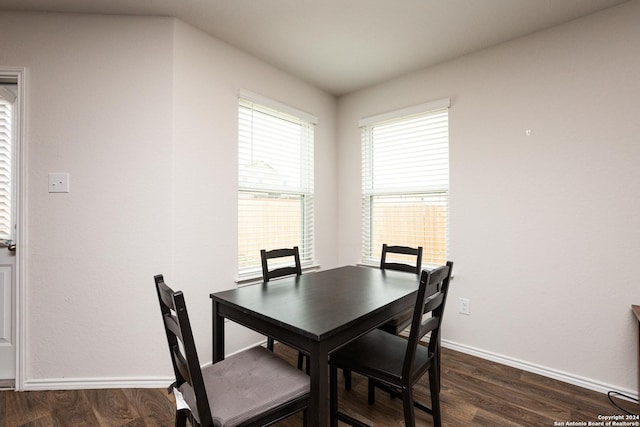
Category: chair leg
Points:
column 371, row 391
column 333, row 395
column 407, row 406
column 181, row 418
column 434, row 390
column 302, row 358
column 347, row 379
column 438, row 353
column 270, row 343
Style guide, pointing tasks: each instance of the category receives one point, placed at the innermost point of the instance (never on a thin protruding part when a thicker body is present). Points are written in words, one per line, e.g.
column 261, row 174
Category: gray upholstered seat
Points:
column 235, row 397
column 250, row 388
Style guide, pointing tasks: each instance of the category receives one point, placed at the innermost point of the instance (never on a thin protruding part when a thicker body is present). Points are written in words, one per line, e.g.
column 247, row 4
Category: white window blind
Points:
column 7, row 99
column 405, row 182
column 275, row 192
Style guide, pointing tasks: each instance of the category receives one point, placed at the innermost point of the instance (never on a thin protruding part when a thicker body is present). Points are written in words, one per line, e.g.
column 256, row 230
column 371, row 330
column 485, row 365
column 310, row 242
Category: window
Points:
column 405, row 181
column 7, row 100
column 275, row 191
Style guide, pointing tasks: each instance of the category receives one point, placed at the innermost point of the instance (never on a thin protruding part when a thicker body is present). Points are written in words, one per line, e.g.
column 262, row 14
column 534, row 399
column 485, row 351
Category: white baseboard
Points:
column 98, row 383
column 540, row 370
column 95, row 383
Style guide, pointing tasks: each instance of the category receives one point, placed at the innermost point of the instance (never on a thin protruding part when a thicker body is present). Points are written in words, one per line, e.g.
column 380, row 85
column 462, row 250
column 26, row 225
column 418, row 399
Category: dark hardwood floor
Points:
column 475, row 392
column 108, row 407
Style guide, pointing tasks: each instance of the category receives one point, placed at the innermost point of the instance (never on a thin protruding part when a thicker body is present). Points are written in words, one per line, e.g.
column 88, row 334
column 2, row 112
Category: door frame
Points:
column 20, row 163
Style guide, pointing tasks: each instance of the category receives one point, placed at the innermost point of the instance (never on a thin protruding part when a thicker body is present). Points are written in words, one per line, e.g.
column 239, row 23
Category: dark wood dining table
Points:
column 316, row 313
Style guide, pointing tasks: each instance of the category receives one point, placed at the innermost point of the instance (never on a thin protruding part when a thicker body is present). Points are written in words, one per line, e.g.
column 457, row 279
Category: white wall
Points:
column 142, row 113
column 98, row 107
column 545, row 229
column 207, row 77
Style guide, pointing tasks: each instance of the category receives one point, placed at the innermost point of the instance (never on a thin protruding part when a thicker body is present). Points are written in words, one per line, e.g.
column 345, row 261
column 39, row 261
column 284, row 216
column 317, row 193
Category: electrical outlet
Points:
column 58, row 182
column 463, row 306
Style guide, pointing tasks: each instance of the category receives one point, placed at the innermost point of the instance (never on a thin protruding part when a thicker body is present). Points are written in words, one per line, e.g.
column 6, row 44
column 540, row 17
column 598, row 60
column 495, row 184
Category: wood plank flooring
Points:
column 475, row 392
column 106, row 407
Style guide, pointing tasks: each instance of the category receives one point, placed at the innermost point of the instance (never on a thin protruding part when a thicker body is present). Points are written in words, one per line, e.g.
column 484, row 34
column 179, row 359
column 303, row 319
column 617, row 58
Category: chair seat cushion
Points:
column 381, row 355
column 246, row 384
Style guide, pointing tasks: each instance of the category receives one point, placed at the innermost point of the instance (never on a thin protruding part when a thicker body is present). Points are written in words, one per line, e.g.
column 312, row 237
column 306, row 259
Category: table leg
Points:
column 318, row 411
column 218, row 334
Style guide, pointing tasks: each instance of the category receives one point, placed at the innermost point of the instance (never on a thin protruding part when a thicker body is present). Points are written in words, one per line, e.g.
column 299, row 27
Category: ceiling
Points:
column 344, row 45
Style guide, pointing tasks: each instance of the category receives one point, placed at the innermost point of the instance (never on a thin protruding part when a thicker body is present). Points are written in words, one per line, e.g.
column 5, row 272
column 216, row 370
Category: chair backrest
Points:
column 182, row 347
column 402, row 250
column 281, row 271
column 432, row 296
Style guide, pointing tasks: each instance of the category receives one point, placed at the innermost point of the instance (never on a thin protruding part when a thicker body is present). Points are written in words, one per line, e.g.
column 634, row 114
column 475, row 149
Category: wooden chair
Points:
column 401, row 250
column 250, row 388
column 281, row 272
column 394, row 363
column 402, row 321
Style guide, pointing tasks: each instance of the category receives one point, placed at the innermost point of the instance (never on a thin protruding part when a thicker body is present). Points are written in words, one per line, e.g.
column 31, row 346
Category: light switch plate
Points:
column 58, row 182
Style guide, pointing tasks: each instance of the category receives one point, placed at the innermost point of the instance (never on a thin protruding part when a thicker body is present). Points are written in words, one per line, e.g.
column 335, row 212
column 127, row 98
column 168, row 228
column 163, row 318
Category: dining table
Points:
column 316, row 313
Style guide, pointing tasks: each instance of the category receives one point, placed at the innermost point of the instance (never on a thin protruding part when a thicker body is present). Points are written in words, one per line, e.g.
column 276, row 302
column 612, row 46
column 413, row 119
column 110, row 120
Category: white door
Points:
column 9, row 110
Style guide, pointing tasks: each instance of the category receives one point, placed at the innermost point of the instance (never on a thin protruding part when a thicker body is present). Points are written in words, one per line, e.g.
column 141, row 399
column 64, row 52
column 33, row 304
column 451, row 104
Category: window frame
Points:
column 271, row 190
column 8, row 126
column 437, row 193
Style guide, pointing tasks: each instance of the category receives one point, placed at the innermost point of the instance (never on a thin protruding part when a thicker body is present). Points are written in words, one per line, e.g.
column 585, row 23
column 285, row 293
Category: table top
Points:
column 323, row 303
